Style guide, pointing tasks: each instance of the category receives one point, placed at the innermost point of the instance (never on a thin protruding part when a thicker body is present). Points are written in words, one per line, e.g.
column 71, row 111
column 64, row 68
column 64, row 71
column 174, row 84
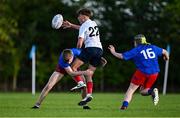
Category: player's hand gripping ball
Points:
column 57, row 21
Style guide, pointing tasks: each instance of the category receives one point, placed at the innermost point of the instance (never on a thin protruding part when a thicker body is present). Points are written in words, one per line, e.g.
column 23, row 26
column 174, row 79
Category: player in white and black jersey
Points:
column 92, row 53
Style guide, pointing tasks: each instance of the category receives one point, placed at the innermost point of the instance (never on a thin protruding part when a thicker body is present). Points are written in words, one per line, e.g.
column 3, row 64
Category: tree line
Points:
column 24, row 23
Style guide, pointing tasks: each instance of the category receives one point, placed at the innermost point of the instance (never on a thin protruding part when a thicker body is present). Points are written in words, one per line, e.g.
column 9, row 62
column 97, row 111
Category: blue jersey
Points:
column 145, row 58
column 75, row 52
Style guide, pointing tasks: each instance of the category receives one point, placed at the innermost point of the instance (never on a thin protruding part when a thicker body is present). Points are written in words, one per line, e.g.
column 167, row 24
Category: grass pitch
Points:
column 103, row 105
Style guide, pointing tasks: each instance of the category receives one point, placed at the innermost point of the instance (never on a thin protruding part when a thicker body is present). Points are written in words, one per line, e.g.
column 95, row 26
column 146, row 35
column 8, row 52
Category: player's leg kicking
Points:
column 89, row 83
column 89, row 97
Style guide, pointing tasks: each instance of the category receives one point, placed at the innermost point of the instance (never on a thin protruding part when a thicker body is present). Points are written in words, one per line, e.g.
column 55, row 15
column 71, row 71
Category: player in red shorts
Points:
column 145, row 56
column 64, row 68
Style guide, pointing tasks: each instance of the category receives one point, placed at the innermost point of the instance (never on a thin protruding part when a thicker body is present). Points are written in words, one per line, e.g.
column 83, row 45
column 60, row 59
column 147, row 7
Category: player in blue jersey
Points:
column 63, row 68
column 145, row 56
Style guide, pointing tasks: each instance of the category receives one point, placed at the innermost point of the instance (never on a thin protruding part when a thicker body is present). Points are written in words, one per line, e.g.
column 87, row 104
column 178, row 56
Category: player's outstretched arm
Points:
column 66, row 24
column 75, row 73
column 165, row 54
column 112, row 50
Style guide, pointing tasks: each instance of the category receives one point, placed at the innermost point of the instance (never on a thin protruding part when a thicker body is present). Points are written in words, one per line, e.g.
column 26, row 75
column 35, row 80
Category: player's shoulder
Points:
column 76, row 50
column 93, row 22
column 151, row 47
column 145, row 46
column 139, row 48
column 89, row 22
column 156, row 47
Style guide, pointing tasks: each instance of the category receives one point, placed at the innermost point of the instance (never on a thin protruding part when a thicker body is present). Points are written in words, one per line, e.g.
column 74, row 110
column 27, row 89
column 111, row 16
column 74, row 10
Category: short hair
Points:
column 85, row 11
column 66, row 54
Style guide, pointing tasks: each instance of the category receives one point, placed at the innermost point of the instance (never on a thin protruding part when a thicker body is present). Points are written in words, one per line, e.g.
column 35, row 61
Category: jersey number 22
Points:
column 94, row 31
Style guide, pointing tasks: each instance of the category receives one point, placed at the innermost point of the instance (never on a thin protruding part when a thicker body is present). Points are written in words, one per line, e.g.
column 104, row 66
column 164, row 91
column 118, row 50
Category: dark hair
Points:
column 66, row 54
column 85, row 11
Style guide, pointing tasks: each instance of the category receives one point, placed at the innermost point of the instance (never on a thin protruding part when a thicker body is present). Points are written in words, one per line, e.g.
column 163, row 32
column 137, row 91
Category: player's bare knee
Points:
column 89, row 79
column 143, row 93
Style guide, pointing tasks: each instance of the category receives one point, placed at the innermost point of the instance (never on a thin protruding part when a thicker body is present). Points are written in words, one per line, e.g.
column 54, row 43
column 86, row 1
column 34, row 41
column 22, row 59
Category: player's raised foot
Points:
column 87, row 99
column 79, row 86
column 86, row 107
column 123, row 108
column 155, row 96
column 35, row 107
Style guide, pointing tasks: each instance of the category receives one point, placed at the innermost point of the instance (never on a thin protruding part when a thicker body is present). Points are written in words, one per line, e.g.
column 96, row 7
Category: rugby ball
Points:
column 57, row 21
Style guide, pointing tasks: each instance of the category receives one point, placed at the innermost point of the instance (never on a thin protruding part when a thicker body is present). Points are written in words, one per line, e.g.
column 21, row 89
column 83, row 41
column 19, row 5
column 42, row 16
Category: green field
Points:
column 103, row 105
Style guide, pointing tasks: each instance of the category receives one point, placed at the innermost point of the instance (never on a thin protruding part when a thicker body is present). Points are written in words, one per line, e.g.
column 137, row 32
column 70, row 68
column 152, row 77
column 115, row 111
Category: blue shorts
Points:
column 91, row 55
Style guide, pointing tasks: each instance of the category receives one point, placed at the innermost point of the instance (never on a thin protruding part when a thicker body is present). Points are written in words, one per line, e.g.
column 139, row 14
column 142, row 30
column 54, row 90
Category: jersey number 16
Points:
column 148, row 53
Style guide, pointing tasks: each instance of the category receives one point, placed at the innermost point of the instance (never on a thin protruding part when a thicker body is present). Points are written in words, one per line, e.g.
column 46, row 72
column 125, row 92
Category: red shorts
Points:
column 60, row 69
column 145, row 80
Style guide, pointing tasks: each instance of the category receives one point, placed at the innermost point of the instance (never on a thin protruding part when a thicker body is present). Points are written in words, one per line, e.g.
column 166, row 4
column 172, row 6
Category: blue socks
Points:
column 125, row 104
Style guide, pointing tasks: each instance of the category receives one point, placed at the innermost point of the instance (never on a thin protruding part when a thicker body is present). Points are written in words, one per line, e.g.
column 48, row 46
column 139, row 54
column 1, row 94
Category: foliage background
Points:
column 24, row 23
